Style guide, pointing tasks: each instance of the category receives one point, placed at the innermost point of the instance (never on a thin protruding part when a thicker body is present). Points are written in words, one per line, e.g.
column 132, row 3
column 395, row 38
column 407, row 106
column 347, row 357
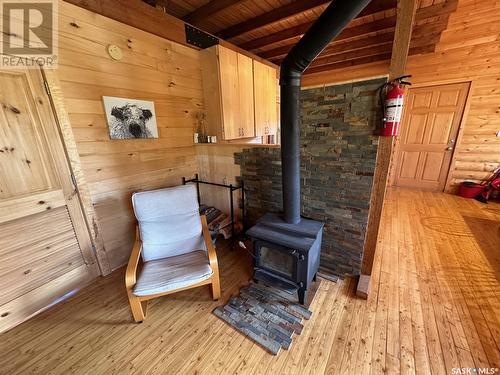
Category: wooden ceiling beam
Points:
column 208, row 9
column 170, row 7
column 374, row 7
column 350, row 59
column 377, row 6
column 422, row 14
column 374, row 45
column 423, row 35
column 346, row 45
column 349, row 63
column 380, row 49
column 275, row 15
column 301, row 29
column 350, row 32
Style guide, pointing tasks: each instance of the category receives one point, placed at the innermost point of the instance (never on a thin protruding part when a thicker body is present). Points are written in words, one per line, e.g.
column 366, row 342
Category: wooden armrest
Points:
column 212, row 255
column 133, row 262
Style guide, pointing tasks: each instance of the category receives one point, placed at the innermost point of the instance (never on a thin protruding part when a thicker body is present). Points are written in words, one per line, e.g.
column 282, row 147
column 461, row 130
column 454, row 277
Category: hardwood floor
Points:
column 434, row 306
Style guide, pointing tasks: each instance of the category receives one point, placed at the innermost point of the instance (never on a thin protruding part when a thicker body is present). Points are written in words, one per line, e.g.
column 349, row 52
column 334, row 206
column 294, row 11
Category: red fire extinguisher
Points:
column 392, row 98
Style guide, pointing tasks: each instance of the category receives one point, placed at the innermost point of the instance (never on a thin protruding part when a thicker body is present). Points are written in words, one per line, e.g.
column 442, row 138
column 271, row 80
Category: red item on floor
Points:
column 470, row 189
column 495, row 184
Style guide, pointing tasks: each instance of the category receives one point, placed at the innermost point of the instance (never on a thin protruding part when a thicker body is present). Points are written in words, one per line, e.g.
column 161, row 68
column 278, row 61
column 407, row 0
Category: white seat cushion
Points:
column 163, row 275
column 169, row 222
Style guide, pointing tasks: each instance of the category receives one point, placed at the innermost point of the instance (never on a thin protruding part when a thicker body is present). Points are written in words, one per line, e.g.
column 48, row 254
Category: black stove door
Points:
column 276, row 259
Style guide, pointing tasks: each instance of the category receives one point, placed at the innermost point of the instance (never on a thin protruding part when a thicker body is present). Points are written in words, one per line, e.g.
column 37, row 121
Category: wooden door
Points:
column 45, row 247
column 265, row 88
column 428, row 135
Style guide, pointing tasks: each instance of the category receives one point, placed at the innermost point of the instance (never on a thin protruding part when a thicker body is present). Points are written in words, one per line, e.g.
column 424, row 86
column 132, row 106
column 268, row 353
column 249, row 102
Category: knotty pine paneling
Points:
column 216, row 163
column 38, row 255
column 469, row 50
column 152, row 68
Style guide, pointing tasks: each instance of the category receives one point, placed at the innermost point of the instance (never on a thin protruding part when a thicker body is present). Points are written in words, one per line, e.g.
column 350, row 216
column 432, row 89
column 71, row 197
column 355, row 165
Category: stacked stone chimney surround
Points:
column 338, row 152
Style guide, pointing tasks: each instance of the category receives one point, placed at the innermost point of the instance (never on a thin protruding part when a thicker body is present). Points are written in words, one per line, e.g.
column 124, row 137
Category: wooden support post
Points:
column 400, row 47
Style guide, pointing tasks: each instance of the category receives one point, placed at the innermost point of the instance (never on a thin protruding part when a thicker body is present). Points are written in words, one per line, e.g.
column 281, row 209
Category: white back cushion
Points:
column 169, row 221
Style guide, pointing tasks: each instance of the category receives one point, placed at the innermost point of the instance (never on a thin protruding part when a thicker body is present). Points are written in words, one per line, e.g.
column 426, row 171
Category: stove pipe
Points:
column 331, row 22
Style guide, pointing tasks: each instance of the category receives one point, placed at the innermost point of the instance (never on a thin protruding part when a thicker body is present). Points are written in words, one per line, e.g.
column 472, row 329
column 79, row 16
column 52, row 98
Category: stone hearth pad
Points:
column 265, row 314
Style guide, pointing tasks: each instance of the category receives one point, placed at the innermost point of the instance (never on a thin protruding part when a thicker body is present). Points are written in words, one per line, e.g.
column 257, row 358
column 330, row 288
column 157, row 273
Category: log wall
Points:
column 469, row 50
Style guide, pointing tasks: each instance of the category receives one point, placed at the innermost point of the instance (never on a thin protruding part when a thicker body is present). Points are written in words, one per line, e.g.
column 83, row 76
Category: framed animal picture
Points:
column 130, row 118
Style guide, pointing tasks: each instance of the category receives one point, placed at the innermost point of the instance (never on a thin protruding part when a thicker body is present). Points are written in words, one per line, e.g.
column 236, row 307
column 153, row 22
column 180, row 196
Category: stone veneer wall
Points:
column 338, row 151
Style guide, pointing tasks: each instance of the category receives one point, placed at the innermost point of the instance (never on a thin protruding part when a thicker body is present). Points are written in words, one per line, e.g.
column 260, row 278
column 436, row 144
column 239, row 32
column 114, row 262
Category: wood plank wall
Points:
column 216, row 164
column 152, row 68
column 469, row 50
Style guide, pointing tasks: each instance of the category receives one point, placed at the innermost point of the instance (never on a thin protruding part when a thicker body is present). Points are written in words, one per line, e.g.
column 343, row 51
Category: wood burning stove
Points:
column 287, row 248
column 287, row 253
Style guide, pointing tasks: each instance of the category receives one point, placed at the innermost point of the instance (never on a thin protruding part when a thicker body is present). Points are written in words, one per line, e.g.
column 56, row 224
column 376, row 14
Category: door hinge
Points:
column 73, row 180
column 47, row 89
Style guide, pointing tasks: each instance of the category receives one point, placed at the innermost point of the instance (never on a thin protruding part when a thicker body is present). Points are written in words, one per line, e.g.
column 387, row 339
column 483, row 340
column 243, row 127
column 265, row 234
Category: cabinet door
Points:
column 265, row 88
column 260, row 91
column 236, row 78
column 230, row 92
column 246, row 107
column 272, row 87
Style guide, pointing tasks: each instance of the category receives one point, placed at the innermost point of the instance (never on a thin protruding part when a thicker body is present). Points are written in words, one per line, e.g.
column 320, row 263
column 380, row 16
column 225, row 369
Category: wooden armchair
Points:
column 175, row 245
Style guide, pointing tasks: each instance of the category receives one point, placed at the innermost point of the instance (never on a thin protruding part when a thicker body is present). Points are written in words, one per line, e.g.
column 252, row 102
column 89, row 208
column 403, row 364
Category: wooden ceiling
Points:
column 269, row 28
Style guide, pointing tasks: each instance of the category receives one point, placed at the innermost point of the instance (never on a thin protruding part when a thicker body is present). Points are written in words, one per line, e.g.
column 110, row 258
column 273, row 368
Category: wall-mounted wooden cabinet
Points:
column 265, row 94
column 240, row 95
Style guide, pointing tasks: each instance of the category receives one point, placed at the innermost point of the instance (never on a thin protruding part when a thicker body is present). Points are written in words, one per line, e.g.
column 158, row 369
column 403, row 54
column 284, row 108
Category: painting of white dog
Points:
column 130, row 118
